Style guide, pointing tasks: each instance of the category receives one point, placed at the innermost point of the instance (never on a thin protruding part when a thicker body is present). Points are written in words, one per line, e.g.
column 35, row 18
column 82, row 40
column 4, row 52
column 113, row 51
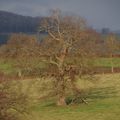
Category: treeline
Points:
column 13, row 23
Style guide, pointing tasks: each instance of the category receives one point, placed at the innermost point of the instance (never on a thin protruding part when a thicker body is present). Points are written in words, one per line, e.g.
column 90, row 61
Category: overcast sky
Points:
column 99, row 13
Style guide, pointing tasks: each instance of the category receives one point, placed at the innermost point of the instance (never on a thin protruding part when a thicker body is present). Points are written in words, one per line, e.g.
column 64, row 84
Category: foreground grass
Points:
column 103, row 103
column 99, row 110
column 103, row 98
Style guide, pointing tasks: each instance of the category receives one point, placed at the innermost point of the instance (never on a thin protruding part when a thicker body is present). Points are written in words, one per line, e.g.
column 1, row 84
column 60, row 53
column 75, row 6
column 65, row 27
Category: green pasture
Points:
column 102, row 95
column 8, row 66
column 11, row 66
column 106, row 62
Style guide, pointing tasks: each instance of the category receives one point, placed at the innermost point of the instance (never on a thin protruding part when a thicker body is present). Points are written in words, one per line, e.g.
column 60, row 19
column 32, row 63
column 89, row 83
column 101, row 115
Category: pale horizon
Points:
column 98, row 13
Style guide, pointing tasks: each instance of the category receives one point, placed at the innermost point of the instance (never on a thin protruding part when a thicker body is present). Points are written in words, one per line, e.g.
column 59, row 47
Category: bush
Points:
column 12, row 101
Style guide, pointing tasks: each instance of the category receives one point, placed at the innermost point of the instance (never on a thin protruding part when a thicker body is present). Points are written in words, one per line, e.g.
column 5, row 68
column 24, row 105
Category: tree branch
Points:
column 53, row 62
column 57, row 39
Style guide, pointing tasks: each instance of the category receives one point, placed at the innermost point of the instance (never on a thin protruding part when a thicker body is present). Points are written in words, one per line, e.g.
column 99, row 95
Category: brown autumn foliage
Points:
column 13, row 102
column 112, row 46
column 23, row 50
column 67, row 51
column 20, row 45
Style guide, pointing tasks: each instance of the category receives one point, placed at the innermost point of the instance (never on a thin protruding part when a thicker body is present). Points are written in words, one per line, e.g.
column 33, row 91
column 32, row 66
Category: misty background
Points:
column 98, row 13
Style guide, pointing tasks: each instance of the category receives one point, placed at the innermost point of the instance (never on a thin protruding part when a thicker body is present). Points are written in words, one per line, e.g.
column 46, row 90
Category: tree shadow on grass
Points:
column 101, row 93
column 91, row 96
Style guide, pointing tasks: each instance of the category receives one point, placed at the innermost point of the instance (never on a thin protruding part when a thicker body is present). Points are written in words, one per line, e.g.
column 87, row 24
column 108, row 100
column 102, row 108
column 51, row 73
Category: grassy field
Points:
column 106, row 62
column 8, row 67
column 102, row 95
column 103, row 98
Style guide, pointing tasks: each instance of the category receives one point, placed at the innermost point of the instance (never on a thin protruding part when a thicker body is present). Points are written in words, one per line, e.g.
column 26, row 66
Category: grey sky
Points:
column 99, row 13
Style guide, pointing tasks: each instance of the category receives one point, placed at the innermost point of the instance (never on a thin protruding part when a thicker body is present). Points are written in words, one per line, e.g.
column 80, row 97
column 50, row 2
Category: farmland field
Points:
column 59, row 63
column 106, row 62
column 8, row 67
column 102, row 95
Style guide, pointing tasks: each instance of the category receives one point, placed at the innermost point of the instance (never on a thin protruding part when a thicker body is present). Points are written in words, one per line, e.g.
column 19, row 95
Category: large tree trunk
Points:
column 61, row 83
column 61, row 90
column 61, row 101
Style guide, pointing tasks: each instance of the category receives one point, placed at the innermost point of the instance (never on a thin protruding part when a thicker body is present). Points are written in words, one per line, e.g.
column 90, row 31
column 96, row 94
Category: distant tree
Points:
column 105, row 31
column 112, row 46
column 23, row 50
column 67, row 51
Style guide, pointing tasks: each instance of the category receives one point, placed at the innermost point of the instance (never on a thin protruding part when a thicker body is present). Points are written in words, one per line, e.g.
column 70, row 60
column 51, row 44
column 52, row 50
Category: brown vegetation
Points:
column 64, row 54
column 68, row 47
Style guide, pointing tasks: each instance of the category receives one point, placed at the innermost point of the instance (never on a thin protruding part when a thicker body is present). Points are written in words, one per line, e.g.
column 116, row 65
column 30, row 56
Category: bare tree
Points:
column 67, row 51
column 112, row 46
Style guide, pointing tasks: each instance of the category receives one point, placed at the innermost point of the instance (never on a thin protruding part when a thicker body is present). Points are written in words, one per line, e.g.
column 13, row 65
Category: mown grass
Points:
column 103, row 98
column 102, row 95
column 97, row 110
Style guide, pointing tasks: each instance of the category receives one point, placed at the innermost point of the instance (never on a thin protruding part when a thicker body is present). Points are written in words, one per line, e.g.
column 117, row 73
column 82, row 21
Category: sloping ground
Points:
column 102, row 95
column 103, row 103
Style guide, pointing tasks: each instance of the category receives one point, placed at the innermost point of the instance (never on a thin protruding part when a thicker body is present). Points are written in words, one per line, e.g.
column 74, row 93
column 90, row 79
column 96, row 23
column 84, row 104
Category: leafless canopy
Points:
column 67, row 49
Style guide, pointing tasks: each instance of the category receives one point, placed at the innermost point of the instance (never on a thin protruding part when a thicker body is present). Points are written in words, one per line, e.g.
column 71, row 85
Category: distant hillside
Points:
column 10, row 22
